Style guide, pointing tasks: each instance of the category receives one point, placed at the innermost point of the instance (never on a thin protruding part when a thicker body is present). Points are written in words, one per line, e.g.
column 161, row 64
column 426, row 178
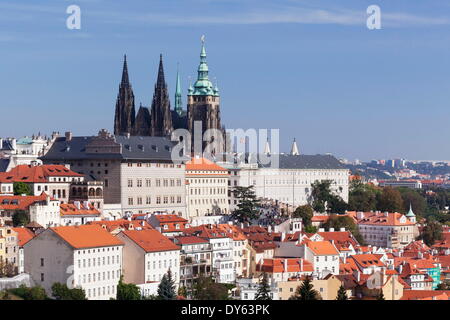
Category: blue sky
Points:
column 308, row 67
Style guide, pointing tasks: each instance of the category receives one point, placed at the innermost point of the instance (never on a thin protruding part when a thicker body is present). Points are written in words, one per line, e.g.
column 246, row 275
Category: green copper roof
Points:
column 178, row 102
column 410, row 212
column 203, row 86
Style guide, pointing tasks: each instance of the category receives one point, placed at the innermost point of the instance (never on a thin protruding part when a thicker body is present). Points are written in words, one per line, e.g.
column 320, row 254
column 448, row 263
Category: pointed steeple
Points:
column 203, row 86
column 125, row 113
column 125, row 78
column 161, row 82
column 410, row 215
column 267, row 147
column 178, row 101
column 410, row 212
column 161, row 116
column 294, row 149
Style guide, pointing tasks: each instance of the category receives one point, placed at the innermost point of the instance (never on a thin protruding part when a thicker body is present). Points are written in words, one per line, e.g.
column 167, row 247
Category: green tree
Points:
column 342, row 293
column 305, row 291
column 166, row 288
column 323, row 199
column 415, row 199
column 320, row 194
column 33, row 293
column 390, row 200
column 20, row 188
column 247, row 207
column 431, row 232
column 263, row 292
column 182, row 291
column 62, row 292
column 362, row 197
column 20, row 218
column 310, row 229
column 305, row 212
column 205, row 288
column 127, row 291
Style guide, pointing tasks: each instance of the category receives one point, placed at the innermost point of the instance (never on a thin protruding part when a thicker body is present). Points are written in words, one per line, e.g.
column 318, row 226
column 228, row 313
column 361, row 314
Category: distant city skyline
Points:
column 310, row 68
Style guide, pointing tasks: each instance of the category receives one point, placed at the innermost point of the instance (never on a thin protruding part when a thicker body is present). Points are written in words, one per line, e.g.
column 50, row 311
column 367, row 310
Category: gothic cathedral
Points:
column 203, row 106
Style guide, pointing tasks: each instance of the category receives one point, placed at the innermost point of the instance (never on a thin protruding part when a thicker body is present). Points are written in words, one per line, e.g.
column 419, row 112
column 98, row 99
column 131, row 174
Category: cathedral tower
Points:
column 203, row 100
column 161, row 117
column 125, row 113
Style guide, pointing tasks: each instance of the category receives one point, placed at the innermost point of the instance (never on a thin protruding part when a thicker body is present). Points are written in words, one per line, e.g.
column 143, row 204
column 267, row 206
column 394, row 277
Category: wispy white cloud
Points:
column 274, row 15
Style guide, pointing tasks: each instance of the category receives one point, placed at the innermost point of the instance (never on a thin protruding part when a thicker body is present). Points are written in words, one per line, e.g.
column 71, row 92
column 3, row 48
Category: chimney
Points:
column 86, row 204
column 321, row 230
column 360, row 215
column 301, row 264
column 285, row 265
column 68, row 135
column 400, row 269
column 143, row 223
column 386, row 213
column 283, row 236
column 1, row 143
column 269, row 228
column 331, row 230
column 342, row 229
column 77, row 204
column 230, row 223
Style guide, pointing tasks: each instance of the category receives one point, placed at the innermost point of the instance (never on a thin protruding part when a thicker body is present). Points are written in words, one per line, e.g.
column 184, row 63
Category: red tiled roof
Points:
column 20, row 202
column 24, row 235
column 86, row 236
column 322, row 248
column 380, row 218
column 70, row 209
column 151, row 240
column 203, row 164
column 277, row 265
column 189, row 240
column 34, row 174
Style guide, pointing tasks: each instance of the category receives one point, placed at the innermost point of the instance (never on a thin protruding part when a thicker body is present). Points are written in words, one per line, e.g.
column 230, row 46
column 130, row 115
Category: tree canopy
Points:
column 62, row 292
column 263, row 292
column 127, row 291
column 247, row 207
column 166, row 288
column 306, row 291
column 20, row 188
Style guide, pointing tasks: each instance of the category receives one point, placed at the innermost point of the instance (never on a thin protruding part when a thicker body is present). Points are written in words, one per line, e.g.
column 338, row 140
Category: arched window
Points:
column 98, row 192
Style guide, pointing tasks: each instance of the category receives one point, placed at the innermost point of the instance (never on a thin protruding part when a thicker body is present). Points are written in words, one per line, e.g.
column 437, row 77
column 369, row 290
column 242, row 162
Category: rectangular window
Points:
column 139, row 200
column 139, row 183
column 148, row 200
column 130, row 183
column 148, row 183
column 130, row 201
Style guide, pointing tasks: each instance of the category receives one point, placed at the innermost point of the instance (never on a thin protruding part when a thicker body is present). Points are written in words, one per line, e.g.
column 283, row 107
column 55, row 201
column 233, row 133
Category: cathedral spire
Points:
column 161, row 116
column 161, row 82
column 294, row 149
column 125, row 78
column 178, row 102
column 125, row 113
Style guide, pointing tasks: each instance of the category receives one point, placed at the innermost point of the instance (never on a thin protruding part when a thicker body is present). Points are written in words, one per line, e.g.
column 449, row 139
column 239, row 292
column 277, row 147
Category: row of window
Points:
column 148, row 200
column 207, row 191
column 160, row 263
column 97, row 276
column 148, row 183
column 100, row 261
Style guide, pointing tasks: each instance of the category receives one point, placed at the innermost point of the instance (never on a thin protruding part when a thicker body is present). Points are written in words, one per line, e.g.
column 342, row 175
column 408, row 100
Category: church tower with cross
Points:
column 203, row 105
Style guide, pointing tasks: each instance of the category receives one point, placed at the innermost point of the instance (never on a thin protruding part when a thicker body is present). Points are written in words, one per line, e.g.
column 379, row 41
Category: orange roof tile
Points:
column 203, row 164
column 322, row 248
column 20, row 202
column 86, row 236
column 151, row 240
column 24, row 235
column 70, row 209
column 34, row 174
